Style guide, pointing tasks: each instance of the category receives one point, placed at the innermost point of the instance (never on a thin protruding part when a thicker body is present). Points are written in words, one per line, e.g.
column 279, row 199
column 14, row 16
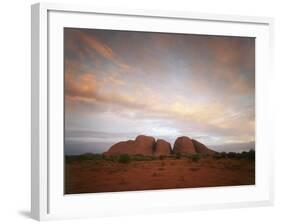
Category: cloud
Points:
column 113, row 80
column 83, row 44
column 76, row 133
column 214, row 116
column 93, row 43
column 85, row 86
column 204, row 85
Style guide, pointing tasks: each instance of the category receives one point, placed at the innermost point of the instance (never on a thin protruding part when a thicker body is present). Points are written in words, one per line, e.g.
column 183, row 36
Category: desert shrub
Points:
column 244, row 154
column 178, row 155
column 69, row 159
column 252, row 154
column 217, row 156
column 170, row 156
column 195, row 157
column 148, row 158
column 204, row 155
column 220, row 155
column 87, row 156
column 82, row 157
column 231, row 155
column 223, row 155
column 236, row 155
column 185, row 155
column 240, row 155
column 108, row 158
column 124, row 158
column 139, row 157
column 111, row 158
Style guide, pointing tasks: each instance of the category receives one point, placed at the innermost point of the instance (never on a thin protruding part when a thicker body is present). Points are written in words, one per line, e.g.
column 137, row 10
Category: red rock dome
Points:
column 201, row 148
column 184, row 145
column 162, row 148
column 142, row 145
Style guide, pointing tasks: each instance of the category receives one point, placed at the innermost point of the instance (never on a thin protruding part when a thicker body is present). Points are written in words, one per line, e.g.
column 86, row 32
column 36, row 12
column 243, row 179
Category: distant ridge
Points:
column 235, row 147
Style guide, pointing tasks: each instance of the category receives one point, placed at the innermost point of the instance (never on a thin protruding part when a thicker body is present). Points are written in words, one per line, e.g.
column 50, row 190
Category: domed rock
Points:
column 143, row 145
column 201, row 148
column 126, row 147
column 162, row 147
column 184, row 145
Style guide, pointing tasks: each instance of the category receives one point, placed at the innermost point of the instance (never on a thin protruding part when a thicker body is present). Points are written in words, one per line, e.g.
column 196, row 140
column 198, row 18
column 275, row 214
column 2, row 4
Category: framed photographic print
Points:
column 137, row 111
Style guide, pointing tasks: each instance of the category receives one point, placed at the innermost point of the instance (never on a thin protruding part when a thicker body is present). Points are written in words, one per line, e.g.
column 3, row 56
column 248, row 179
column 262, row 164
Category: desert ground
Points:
column 93, row 173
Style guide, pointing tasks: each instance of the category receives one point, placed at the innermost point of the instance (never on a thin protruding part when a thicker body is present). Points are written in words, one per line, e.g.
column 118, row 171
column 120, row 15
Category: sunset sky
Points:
column 120, row 84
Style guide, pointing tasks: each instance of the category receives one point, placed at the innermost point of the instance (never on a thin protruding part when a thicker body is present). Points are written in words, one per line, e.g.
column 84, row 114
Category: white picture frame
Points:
column 48, row 201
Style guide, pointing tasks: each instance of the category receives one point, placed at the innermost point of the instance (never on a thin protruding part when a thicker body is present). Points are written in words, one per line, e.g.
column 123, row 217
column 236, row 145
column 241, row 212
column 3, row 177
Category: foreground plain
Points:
column 110, row 175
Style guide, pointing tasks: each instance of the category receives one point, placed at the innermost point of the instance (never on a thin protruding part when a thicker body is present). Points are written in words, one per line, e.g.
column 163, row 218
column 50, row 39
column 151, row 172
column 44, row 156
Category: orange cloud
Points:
column 97, row 45
column 85, row 86
column 111, row 79
column 103, row 49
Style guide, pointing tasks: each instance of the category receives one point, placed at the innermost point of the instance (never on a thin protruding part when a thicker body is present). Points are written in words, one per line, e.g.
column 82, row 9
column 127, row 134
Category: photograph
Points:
column 157, row 110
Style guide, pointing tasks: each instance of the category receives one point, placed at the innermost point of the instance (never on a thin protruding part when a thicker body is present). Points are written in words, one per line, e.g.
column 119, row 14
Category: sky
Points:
column 120, row 84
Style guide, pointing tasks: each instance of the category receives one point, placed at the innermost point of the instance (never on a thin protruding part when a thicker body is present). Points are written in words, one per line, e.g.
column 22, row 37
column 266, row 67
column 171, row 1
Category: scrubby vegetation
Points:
column 195, row 157
column 125, row 158
column 86, row 156
column 235, row 155
column 178, row 155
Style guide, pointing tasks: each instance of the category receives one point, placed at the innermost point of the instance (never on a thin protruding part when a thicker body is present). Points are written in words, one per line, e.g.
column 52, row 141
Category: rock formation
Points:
column 184, row 145
column 141, row 145
column 201, row 148
column 162, row 148
column 146, row 145
column 126, row 147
